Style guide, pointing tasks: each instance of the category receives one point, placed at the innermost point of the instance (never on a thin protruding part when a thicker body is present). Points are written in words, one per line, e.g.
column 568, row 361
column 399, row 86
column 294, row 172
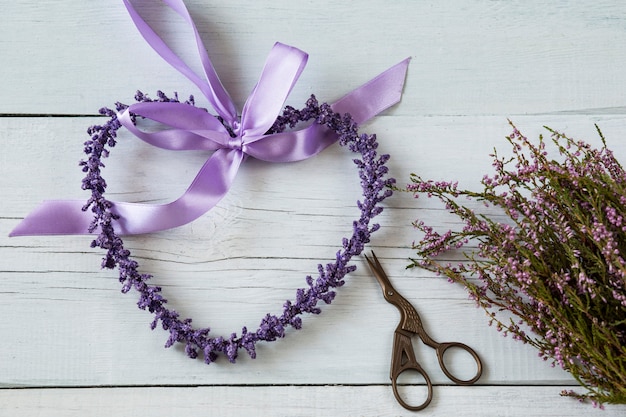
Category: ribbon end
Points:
column 20, row 230
column 376, row 95
column 55, row 217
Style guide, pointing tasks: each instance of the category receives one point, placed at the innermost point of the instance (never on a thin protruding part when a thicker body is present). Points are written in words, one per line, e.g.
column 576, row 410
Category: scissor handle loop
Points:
column 442, row 348
column 394, row 382
column 402, row 360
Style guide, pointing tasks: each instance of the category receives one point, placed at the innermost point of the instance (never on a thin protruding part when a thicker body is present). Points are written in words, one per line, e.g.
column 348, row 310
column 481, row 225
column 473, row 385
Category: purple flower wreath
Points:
column 372, row 171
column 260, row 131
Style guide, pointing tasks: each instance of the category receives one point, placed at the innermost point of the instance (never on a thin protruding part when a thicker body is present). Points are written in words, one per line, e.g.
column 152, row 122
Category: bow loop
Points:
column 292, row 146
column 189, row 128
column 280, row 73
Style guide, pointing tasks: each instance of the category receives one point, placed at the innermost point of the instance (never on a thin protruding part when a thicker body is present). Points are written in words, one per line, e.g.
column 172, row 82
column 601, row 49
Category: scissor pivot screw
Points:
column 389, row 292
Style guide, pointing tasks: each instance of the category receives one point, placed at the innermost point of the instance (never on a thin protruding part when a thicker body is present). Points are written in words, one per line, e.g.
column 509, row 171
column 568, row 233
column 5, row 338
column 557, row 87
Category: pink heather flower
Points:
column 554, row 257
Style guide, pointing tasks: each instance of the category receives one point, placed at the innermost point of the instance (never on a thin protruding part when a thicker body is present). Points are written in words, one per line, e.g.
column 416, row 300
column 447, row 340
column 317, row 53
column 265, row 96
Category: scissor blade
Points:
column 380, row 275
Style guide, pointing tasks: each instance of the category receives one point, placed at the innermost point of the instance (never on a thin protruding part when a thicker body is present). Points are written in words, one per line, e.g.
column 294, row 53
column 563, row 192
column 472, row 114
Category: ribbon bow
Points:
column 191, row 128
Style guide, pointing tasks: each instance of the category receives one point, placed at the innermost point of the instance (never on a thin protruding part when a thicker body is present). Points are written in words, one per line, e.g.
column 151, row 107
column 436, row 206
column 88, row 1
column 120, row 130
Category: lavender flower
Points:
column 372, row 171
column 557, row 262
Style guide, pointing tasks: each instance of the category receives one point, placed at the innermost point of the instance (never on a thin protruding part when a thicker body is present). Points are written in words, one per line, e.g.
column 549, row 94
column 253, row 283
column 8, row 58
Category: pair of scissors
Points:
column 403, row 357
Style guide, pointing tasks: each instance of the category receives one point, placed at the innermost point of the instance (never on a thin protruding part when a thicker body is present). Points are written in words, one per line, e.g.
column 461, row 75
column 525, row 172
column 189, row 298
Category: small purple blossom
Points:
column 554, row 256
column 375, row 186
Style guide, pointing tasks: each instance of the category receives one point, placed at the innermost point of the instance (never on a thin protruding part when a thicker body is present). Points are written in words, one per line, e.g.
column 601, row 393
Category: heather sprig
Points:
column 552, row 257
column 375, row 188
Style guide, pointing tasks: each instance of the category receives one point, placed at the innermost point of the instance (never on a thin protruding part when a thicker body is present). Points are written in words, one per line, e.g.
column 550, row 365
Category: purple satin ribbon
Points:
column 191, row 128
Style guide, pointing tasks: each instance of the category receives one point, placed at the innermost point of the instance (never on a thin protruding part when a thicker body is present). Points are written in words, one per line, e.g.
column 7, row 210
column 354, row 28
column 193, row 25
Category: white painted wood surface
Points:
column 72, row 345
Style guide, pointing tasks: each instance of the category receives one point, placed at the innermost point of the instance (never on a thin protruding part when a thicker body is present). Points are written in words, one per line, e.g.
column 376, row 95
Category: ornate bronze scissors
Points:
column 403, row 357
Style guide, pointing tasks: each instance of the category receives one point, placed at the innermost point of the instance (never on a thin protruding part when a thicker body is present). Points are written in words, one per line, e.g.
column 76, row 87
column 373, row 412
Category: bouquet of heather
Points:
column 550, row 268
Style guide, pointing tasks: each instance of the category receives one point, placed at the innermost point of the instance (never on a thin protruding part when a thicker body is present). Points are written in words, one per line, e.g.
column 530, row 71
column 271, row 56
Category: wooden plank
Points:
column 70, row 326
column 292, row 401
column 469, row 58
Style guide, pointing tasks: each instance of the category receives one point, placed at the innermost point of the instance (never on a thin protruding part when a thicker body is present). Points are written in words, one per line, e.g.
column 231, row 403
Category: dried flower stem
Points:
column 557, row 262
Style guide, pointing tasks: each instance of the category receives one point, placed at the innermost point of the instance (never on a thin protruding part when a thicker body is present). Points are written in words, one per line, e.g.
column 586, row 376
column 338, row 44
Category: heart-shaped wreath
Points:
column 259, row 131
column 375, row 186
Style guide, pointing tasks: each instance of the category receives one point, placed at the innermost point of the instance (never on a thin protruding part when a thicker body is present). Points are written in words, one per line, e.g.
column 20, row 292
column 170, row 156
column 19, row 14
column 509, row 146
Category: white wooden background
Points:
column 73, row 345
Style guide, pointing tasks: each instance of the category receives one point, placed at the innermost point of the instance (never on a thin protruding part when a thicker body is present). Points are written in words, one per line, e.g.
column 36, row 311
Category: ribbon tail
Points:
column 363, row 103
column 66, row 217
column 207, row 189
column 212, row 88
column 375, row 96
column 55, row 217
